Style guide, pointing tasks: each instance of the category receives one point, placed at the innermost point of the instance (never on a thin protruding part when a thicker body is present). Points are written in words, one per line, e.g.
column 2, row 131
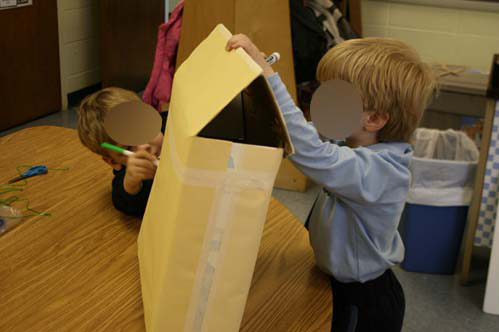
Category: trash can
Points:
column 435, row 214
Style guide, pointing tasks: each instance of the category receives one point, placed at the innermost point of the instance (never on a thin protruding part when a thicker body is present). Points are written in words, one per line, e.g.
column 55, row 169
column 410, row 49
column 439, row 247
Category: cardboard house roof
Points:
column 198, row 98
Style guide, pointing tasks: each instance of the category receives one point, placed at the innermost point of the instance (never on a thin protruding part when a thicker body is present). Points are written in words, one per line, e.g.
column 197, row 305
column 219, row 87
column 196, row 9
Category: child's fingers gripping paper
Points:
column 242, row 41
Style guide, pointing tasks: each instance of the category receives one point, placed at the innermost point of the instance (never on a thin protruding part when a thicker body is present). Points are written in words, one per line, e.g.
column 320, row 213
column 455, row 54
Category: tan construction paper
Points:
column 133, row 123
column 336, row 109
column 201, row 231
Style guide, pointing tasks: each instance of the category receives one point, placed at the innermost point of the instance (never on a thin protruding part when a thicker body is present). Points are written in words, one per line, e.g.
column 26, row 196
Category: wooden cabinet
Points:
column 29, row 59
column 55, row 47
column 128, row 34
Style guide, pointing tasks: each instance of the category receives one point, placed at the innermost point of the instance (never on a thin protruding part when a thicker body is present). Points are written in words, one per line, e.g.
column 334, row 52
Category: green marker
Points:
column 115, row 148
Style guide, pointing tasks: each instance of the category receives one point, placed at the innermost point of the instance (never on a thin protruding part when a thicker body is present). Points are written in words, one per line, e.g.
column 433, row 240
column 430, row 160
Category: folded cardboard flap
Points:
column 252, row 117
column 223, row 96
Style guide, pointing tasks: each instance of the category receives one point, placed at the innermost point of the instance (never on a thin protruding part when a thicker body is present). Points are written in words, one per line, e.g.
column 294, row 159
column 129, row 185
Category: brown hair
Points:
column 91, row 116
column 390, row 77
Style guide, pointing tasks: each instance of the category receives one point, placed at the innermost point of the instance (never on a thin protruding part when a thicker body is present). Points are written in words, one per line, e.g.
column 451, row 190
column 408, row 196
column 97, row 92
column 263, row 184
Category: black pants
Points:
column 374, row 306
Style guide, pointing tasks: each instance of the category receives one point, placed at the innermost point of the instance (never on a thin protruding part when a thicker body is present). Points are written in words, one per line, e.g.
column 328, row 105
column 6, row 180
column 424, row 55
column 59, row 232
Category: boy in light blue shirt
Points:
column 353, row 224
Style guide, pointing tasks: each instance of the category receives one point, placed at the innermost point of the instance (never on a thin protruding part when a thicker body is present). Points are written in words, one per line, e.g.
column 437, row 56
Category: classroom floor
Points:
column 434, row 303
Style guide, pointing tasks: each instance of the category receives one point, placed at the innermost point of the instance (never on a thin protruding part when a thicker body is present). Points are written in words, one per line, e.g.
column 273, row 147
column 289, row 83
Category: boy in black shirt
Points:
column 133, row 175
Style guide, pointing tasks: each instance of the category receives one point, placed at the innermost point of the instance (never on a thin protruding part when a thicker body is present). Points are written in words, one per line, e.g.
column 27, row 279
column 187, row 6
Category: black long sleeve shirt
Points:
column 134, row 205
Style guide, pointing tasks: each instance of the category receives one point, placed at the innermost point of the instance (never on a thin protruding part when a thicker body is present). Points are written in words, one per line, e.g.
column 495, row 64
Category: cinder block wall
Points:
column 442, row 35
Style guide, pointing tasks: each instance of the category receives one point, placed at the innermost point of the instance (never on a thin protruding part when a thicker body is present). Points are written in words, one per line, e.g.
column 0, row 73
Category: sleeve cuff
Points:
column 131, row 197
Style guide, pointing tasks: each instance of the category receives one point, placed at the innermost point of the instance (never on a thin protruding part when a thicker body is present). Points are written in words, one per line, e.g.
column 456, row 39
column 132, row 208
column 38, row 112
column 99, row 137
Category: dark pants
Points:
column 374, row 306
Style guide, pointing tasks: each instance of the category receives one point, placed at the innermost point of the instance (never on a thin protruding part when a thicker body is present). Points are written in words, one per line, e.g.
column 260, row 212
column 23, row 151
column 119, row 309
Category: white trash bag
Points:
column 443, row 168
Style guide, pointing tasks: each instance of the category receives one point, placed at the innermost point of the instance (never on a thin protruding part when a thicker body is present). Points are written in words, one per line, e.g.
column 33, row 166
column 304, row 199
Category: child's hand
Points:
column 139, row 167
column 246, row 44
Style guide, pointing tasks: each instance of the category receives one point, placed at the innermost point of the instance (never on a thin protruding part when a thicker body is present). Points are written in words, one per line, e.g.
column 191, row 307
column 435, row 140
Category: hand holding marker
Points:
column 273, row 58
column 122, row 151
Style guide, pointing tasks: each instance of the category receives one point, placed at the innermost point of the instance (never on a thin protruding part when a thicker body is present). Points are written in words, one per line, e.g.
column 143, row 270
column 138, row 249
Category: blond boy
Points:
column 353, row 224
column 132, row 175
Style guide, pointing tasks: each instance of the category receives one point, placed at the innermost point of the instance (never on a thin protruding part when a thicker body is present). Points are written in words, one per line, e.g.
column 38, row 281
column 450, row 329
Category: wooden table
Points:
column 77, row 270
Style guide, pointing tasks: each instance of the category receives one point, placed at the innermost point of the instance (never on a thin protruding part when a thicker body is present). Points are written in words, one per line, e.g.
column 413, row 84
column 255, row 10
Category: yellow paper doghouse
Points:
column 201, row 231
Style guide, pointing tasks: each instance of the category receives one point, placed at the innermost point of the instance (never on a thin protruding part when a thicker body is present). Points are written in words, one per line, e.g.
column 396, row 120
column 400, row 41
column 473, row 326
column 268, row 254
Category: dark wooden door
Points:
column 129, row 31
column 29, row 63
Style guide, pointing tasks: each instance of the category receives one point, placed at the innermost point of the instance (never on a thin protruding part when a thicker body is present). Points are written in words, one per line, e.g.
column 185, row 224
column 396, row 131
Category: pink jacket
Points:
column 158, row 89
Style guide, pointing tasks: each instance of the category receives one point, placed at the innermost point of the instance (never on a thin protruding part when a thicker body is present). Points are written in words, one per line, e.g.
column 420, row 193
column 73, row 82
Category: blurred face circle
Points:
column 153, row 147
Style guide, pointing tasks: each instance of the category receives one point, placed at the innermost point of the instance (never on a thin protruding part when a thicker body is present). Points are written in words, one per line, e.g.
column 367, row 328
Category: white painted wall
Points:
column 78, row 45
column 454, row 36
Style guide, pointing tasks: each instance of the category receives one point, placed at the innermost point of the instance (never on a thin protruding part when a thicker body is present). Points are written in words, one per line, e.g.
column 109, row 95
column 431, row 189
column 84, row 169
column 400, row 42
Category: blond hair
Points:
column 390, row 77
column 91, row 115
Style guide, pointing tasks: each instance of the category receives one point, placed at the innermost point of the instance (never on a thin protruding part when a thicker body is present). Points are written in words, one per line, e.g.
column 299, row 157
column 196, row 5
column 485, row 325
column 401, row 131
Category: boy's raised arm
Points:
column 361, row 175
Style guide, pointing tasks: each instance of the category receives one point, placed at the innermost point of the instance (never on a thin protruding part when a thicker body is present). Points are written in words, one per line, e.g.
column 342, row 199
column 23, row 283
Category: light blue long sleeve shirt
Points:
column 353, row 225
